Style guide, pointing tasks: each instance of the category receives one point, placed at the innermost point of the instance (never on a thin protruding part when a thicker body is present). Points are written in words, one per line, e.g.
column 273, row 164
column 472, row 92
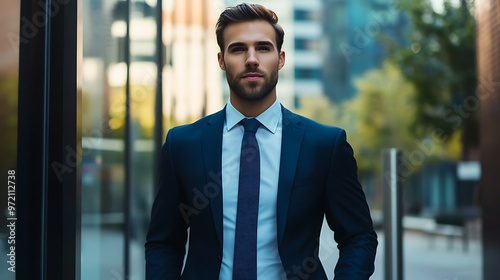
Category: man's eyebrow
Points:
column 241, row 44
column 236, row 44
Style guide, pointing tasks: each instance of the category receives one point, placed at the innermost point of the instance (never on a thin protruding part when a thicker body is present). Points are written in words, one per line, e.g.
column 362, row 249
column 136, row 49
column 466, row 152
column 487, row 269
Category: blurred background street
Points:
column 424, row 257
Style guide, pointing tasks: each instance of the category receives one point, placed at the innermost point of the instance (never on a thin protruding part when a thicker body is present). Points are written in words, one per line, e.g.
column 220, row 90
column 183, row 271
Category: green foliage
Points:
column 380, row 117
column 441, row 65
column 385, row 109
column 8, row 117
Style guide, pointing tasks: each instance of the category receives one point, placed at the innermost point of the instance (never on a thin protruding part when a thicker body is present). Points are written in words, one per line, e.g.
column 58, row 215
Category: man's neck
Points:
column 252, row 109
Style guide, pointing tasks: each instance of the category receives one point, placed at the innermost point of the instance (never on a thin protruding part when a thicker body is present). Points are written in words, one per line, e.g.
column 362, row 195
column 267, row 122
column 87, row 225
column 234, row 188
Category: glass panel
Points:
column 103, row 74
column 9, row 68
column 143, row 74
column 192, row 79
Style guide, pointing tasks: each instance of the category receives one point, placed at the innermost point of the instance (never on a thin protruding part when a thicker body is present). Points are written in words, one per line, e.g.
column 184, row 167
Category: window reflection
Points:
column 143, row 73
column 102, row 129
column 191, row 88
column 9, row 67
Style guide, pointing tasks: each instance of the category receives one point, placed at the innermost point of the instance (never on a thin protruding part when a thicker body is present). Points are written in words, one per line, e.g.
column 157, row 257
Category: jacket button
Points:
column 219, row 257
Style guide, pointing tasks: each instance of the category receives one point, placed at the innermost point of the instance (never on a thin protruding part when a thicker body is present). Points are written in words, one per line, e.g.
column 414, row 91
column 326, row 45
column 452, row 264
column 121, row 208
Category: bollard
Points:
column 392, row 191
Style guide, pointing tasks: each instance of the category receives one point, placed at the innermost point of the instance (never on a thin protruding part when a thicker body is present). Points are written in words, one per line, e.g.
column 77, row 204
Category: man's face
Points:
column 251, row 60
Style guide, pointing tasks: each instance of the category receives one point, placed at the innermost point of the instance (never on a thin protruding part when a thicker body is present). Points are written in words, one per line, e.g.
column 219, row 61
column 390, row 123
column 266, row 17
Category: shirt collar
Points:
column 269, row 118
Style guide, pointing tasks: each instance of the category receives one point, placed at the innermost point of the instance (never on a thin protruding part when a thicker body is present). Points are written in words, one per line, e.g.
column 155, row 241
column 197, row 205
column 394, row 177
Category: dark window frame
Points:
column 48, row 189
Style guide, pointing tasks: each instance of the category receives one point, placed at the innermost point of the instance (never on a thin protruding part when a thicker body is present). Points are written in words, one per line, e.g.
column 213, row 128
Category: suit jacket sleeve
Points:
column 167, row 233
column 348, row 215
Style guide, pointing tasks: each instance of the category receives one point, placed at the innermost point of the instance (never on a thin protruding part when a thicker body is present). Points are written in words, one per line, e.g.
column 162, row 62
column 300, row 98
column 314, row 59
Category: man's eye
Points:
column 237, row 49
column 263, row 49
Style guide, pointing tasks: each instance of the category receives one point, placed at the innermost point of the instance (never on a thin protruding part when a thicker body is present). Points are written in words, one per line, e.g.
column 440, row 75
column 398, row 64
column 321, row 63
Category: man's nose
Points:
column 252, row 60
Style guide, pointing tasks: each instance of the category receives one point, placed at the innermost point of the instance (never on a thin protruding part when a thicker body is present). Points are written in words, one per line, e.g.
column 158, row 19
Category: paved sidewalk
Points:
column 420, row 259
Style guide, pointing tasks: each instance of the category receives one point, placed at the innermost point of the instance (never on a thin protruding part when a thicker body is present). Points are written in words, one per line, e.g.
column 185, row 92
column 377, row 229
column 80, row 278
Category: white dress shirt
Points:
column 269, row 139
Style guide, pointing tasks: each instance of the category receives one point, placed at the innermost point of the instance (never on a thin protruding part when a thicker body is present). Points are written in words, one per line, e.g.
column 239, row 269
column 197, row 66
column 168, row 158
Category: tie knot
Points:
column 250, row 125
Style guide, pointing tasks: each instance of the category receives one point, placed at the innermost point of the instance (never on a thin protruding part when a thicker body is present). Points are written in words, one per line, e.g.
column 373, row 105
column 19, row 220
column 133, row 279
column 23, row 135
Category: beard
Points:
column 253, row 90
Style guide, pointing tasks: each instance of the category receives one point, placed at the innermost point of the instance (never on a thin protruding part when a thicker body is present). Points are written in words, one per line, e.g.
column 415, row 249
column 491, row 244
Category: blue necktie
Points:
column 245, row 240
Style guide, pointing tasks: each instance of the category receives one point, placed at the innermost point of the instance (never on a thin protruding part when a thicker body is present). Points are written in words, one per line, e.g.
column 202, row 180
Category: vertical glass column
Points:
column 103, row 76
column 143, row 85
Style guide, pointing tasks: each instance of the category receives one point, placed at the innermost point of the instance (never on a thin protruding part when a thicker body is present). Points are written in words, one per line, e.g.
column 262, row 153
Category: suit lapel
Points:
column 292, row 134
column 212, row 157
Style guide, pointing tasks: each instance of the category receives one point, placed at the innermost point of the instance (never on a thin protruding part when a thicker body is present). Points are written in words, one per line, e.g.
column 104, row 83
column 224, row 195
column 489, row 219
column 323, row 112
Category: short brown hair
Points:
column 248, row 12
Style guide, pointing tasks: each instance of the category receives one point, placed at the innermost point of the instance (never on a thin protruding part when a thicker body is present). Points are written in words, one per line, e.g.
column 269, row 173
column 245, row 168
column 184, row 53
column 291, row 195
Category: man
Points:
column 264, row 221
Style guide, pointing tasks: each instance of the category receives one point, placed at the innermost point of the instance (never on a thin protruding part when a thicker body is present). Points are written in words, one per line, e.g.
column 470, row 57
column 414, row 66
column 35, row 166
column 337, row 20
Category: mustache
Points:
column 253, row 71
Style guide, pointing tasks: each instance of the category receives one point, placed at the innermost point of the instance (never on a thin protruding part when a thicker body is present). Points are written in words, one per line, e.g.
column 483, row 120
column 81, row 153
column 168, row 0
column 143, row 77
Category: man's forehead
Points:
column 249, row 32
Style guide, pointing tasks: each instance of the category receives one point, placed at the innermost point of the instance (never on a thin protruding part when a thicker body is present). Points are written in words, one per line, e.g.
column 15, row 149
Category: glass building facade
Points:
column 101, row 83
column 132, row 52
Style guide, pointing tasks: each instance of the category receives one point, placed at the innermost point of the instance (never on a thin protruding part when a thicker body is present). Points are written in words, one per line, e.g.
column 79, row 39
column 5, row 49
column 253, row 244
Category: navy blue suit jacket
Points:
column 318, row 177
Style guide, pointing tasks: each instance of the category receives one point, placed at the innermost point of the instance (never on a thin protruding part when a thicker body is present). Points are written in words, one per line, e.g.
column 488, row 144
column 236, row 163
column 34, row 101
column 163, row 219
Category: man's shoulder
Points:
column 206, row 120
column 309, row 123
column 190, row 130
column 319, row 134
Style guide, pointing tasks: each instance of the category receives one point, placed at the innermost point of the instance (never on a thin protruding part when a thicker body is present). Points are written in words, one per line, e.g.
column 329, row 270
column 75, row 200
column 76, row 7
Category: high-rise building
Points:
column 307, row 42
column 351, row 31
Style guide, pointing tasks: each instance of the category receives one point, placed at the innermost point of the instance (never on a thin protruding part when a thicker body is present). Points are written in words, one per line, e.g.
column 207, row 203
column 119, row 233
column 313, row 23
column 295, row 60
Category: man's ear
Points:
column 281, row 61
column 220, row 58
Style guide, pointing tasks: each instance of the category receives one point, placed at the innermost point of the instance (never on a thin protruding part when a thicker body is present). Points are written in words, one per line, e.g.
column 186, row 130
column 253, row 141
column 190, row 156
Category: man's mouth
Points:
column 251, row 76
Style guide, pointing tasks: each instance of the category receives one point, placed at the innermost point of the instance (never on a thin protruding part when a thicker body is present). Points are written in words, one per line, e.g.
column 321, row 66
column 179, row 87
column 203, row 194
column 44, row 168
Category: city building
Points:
column 351, row 39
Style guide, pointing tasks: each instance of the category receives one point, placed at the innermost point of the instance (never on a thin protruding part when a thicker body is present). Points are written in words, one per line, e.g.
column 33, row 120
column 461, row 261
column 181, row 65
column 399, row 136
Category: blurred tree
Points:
column 441, row 65
column 384, row 110
column 380, row 117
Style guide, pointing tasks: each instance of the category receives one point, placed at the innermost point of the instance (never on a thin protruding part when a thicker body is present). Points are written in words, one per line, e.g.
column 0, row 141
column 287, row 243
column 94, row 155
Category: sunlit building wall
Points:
column 192, row 83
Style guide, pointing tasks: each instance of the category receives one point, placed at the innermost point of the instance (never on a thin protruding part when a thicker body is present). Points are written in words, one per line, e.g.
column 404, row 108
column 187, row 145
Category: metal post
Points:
column 392, row 191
